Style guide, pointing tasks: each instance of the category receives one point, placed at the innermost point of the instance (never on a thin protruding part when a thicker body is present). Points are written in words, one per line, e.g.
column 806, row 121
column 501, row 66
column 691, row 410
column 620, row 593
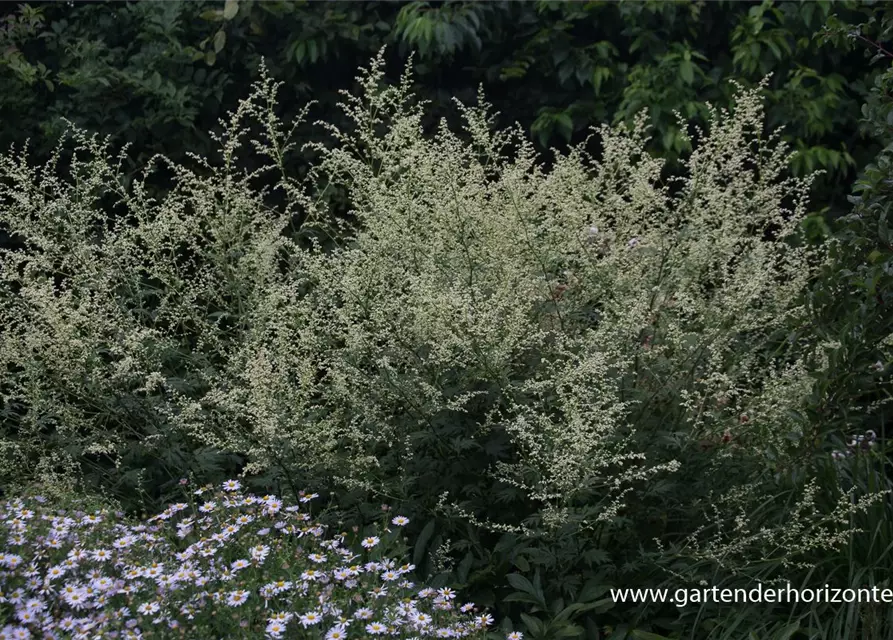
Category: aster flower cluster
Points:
column 227, row 565
column 858, row 443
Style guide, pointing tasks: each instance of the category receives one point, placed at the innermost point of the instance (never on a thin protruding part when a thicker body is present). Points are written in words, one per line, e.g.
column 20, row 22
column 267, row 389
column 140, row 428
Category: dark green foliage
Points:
column 159, row 74
column 852, row 301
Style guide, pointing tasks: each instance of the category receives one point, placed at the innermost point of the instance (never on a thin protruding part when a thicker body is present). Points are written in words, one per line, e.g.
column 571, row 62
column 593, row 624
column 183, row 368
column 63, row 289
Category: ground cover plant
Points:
column 567, row 378
column 225, row 564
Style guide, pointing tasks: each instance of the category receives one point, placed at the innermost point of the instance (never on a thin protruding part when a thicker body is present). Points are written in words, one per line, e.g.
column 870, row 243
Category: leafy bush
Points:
column 158, row 75
column 862, row 560
column 851, row 301
column 599, row 352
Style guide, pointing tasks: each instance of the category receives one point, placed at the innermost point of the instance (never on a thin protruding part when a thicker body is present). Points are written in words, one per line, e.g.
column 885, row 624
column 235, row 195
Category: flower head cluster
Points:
column 230, row 564
column 857, row 444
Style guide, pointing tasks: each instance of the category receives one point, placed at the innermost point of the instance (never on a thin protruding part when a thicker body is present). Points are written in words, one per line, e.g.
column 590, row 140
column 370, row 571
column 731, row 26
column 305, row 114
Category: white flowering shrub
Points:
column 540, row 351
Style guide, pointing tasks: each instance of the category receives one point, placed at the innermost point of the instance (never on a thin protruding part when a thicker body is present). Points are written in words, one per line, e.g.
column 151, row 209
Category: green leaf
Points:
column 647, row 635
column 806, row 12
column 506, row 542
column 219, row 41
column 559, row 55
column 564, row 72
column 669, row 139
column 599, row 76
column 422, row 542
column 521, row 583
column 465, row 567
column 536, row 627
column 212, row 15
column 596, row 556
column 565, row 125
column 605, row 604
column 539, row 556
column 230, row 9
column 593, row 589
column 538, row 585
column 686, row 71
column 210, row 58
column 568, row 631
column 574, row 609
column 542, row 128
column 300, row 51
column 523, row 597
column 521, row 562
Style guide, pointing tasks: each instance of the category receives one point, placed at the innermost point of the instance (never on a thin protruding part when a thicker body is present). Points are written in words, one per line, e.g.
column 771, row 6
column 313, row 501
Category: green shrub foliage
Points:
column 160, row 74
